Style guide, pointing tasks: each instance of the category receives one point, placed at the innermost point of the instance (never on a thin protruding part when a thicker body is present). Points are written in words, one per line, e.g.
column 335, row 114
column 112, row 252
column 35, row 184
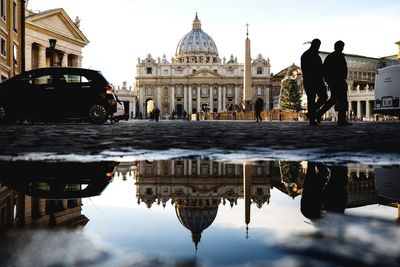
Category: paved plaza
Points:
column 86, row 139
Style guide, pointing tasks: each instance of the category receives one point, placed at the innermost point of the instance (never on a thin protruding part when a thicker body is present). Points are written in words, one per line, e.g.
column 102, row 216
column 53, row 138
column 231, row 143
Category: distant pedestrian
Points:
column 335, row 74
column 311, row 67
column 258, row 105
column 156, row 114
column 184, row 115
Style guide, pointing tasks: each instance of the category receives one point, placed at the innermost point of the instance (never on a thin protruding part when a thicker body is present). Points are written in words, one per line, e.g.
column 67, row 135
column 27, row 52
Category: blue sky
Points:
column 121, row 32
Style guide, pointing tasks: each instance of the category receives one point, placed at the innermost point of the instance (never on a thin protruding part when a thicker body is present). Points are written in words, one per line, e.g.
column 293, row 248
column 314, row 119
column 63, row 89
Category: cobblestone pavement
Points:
column 86, row 139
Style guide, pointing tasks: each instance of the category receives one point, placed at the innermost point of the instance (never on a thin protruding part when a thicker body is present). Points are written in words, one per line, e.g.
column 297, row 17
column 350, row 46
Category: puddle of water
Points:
column 199, row 211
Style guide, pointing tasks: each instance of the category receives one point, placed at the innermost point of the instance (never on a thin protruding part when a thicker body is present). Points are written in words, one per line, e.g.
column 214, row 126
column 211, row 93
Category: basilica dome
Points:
column 197, row 46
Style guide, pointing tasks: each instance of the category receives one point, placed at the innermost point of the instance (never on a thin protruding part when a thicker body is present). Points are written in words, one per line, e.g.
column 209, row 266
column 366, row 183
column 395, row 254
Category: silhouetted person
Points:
column 335, row 74
column 258, row 105
column 156, row 114
column 311, row 67
column 323, row 192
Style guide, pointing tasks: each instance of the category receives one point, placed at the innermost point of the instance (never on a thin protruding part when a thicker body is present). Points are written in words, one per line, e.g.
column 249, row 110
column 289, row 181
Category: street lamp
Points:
column 60, row 58
column 52, row 43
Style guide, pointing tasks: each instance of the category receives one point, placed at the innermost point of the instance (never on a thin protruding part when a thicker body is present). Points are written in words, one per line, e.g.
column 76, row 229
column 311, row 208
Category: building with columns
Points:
column 10, row 38
column 197, row 79
column 361, row 82
column 53, row 24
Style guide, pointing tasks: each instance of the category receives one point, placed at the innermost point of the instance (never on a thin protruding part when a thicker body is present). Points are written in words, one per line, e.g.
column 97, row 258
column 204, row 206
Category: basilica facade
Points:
column 197, row 79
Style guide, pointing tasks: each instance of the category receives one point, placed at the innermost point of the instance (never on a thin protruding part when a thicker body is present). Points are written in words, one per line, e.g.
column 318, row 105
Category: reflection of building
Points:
column 7, row 200
column 197, row 187
column 53, row 24
column 197, row 79
column 10, row 38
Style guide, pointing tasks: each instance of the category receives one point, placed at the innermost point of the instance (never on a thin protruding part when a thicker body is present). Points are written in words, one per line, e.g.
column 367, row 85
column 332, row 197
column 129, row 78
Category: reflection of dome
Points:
column 197, row 43
column 196, row 219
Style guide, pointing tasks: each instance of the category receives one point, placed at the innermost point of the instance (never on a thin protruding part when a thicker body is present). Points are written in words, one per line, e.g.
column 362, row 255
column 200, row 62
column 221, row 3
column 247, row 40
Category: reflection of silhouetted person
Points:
column 258, row 105
column 335, row 74
column 312, row 196
column 311, row 66
column 320, row 192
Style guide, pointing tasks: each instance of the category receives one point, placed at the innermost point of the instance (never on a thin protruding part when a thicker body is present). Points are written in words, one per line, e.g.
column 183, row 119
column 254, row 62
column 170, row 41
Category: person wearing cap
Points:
column 313, row 81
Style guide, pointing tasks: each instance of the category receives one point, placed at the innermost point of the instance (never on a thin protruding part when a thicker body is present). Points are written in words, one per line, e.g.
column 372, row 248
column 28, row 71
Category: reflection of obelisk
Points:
column 247, row 181
column 247, row 94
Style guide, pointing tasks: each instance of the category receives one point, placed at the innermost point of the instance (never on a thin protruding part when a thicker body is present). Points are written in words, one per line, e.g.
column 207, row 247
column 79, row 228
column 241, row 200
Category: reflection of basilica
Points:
column 196, row 187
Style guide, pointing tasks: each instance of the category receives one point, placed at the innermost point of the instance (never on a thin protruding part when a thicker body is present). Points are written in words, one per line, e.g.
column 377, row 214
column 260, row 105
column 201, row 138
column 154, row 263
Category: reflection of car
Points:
column 387, row 183
column 57, row 93
column 57, row 180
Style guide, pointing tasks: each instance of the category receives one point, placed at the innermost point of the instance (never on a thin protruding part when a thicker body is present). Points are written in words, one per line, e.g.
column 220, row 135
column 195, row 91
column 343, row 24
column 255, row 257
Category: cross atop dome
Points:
column 196, row 25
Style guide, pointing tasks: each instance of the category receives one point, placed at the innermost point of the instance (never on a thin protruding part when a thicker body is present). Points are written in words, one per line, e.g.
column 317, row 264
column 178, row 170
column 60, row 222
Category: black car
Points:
column 57, row 93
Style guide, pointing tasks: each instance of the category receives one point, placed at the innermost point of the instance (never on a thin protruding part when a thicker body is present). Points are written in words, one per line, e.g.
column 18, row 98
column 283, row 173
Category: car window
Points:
column 45, row 79
column 72, row 78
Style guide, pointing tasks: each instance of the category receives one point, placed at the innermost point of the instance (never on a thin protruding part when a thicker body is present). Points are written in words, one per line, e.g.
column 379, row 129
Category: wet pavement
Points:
column 377, row 139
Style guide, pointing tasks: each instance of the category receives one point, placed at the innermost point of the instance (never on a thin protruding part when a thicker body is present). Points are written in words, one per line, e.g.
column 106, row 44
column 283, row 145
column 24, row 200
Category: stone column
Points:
column 159, row 97
column 358, row 109
column 198, row 100
column 28, row 56
column 190, row 100
column 224, row 98
column 367, row 109
column 172, row 168
column 65, row 60
column 42, row 56
column 236, row 95
column 172, row 98
column 219, row 98
column 185, row 105
column 190, row 167
column 211, row 98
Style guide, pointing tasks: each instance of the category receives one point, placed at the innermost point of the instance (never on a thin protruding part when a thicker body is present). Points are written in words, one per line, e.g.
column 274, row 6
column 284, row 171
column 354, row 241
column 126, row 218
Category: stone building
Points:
column 197, row 79
column 53, row 24
column 128, row 97
column 10, row 38
column 361, row 82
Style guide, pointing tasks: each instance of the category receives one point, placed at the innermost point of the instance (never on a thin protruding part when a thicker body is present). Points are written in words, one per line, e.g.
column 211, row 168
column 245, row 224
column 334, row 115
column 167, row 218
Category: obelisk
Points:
column 247, row 91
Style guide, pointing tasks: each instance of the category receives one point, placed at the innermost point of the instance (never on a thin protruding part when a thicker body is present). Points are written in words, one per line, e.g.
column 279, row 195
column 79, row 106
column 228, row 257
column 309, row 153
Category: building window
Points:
column 149, row 92
column 178, row 170
column 149, row 70
column 205, row 170
column 149, row 191
column 149, row 170
column 15, row 18
column 230, row 170
column 193, row 71
column 179, row 91
column 259, row 90
column 204, row 91
column 3, row 49
column 215, row 91
column 259, row 70
column 230, row 91
column 3, row 9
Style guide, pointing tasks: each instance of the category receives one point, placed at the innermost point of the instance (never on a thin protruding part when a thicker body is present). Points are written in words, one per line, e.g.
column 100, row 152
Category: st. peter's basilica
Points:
column 197, row 79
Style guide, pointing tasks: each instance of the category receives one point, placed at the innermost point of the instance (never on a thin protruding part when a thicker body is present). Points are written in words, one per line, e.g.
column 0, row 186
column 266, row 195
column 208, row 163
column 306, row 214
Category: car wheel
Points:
column 97, row 114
